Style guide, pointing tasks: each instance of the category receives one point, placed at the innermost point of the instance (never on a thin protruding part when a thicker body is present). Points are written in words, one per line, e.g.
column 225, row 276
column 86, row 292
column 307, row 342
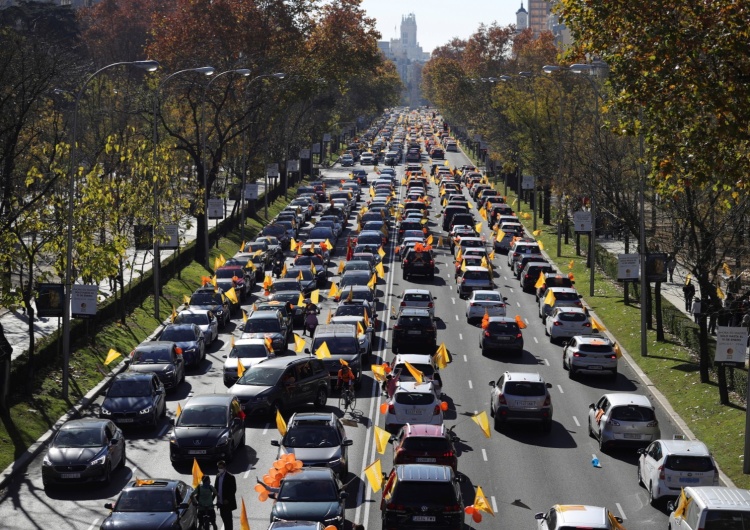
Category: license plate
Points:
column 197, row 452
column 691, row 480
column 415, row 332
column 524, row 403
column 70, row 475
column 125, row 420
column 504, row 339
column 423, row 518
column 632, row 436
column 426, row 460
column 594, row 367
column 415, row 412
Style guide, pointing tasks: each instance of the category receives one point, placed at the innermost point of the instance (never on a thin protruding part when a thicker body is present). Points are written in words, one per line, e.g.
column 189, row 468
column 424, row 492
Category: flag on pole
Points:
column 484, row 423
column 301, row 300
column 570, row 265
column 596, row 325
column 441, row 357
column 334, row 292
column 299, row 343
column 197, row 473
column 381, row 252
column 268, row 341
column 416, row 374
column 280, row 423
column 185, row 299
column 323, row 352
column 244, row 523
column 232, row 295
column 283, row 271
column 315, row 296
column 378, row 372
column 618, row 351
column 174, row 314
column 330, row 316
column 178, row 411
column 373, row 281
column 381, row 439
column 480, row 502
column 240, row 368
column 341, row 268
column 374, row 475
column 537, row 232
column 379, row 269
column 550, row 298
column 539, row 281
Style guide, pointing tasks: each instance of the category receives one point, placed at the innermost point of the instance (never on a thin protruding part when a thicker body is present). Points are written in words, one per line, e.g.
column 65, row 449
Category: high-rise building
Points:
column 406, row 52
column 539, row 11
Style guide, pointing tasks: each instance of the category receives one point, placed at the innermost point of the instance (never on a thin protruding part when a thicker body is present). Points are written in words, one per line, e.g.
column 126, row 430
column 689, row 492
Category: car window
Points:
column 595, row 348
column 525, row 388
column 205, row 299
column 261, row 376
column 262, row 325
column 203, row 416
column 350, row 310
column 311, row 436
column 158, row 356
column 417, row 297
column 475, row 275
column 405, row 375
column 307, row 491
column 725, row 519
column 700, row 464
column 571, row 317
column 415, row 322
column 338, row 345
column 632, row 413
column 83, row 437
column 566, row 297
column 503, row 327
column 492, row 297
column 430, row 493
column 129, row 388
column 414, row 398
column 248, row 351
column 426, row 444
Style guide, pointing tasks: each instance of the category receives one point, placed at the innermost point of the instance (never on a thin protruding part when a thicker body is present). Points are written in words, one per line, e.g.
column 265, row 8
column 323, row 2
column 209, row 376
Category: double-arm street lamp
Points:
column 207, row 71
column 149, row 66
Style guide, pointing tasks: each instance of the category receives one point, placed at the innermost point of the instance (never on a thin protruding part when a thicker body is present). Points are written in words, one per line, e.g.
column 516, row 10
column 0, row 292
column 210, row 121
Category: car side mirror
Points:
column 347, row 442
column 307, row 351
column 549, row 385
column 271, row 495
column 670, row 506
column 127, row 361
column 160, row 390
column 223, row 356
column 505, row 298
column 109, row 506
column 392, row 440
column 592, row 406
column 184, row 506
column 641, row 451
column 539, row 516
column 492, row 384
column 343, row 495
column 275, row 443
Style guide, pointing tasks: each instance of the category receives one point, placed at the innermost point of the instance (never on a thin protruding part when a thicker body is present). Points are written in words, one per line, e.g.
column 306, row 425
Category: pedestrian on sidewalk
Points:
column 671, row 265
column 696, row 309
column 689, row 291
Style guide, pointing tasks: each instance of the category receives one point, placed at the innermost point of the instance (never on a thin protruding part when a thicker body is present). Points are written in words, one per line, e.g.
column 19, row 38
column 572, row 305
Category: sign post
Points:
column 83, row 300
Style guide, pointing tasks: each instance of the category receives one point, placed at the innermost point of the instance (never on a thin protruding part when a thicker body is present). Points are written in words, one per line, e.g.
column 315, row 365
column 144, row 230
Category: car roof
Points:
column 210, row 399
column 474, row 268
column 571, row 310
column 264, row 314
column 417, row 291
column 193, row 311
column 246, row 342
column 310, row 473
column 413, row 358
column 412, row 386
column 313, row 416
column 333, row 330
column 153, row 483
column 503, row 319
column 594, row 338
column 422, row 429
column 423, row 473
column 626, row 398
column 532, row 377
column 562, row 289
column 415, row 312
column 155, row 345
column 579, row 514
column 685, row 447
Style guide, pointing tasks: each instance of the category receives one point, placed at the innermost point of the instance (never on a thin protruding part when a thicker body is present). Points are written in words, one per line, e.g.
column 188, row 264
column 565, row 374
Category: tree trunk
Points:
column 26, row 293
column 703, row 351
column 659, row 319
column 723, row 389
column 649, row 308
column 201, row 227
column 547, row 205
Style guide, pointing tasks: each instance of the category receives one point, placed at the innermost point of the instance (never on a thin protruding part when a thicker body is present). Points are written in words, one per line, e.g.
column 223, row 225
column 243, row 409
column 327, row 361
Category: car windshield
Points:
column 726, row 520
column 261, row 376
column 415, row 322
column 471, row 243
column 425, row 493
column 503, row 327
column 129, row 388
column 262, row 325
column 558, row 282
column 431, row 444
column 351, row 279
column 307, row 274
column 566, row 297
column 700, row 464
column 357, row 266
column 205, row 299
column 248, row 351
column 175, row 334
column 595, row 348
column 414, row 398
column 632, row 413
column 338, row 345
column 488, row 297
column 203, row 416
column 307, row 260
column 572, row 317
column 417, row 297
column 148, row 356
column 320, row 233
column 369, row 239
column 286, row 284
column 405, row 375
column 80, row 437
column 525, row 388
column 228, row 273
column 311, row 436
column 145, row 500
column 254, row 247
column 350, row 310
column 307, row 491
column 475, row 275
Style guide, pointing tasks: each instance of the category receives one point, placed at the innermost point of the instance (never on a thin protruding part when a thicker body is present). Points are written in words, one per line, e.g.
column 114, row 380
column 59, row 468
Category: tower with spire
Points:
column 522, row 19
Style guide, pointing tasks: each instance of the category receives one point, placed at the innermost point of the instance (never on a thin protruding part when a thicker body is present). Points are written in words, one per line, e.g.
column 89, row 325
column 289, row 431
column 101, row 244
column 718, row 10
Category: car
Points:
column 245, row 351
column 213, row 300
column 667, row 466
column 84, row 450
column 210, row 427
column 268, row 324
column 360, row 175
column 424, row 444
column 501, row 334
column 520, row 264
column 419, row 496
column 552, row 280
column 531, row 273
column 474, row 278
column 418, row 298
column 590, row 354
column 286, row 303
column 354, row 278
column 414, row 329
column 366, row 158
column 567, row 322
column 483, row 302
column 296, row 525
column 244, row 280
column 346, row 160
column 254, row 264
column 568, row 517
column 359, row 293
column 344, row 343
column 709, row 507
column 189, row 338
column 204, row 319
column 521, row 396
column 134, row 398
column 623, row 419
column 317, row 439
column 359, row 311
column 310, row 494
column 152, row 504
column 392, row 158
column 413, row 402
column 424, row 363
column 437, row 154
column 282, row 383
column 359, row 265
column 308, row 281
column 373, row 238
column 163, row 358
column 418, row 260
column 520, row 247
column 286, row 284
column 558, row 297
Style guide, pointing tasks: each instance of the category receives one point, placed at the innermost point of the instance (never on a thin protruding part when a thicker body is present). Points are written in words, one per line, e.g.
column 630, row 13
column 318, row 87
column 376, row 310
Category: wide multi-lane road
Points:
column 521, row 470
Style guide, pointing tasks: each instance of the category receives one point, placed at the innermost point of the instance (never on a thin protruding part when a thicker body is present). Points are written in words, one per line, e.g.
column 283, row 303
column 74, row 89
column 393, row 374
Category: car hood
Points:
column 208, row 307
column 126, row 404
column 60, row 456
column 306, row 511
column 312, row 455
column 187, row 436
column 262, row 335
column 139, row 521
column 248, row 390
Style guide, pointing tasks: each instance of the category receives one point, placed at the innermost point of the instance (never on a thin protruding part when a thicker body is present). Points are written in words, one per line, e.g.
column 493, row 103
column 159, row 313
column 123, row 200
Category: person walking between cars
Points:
column 311, row 318
column 226, row 491
column 204, row 496
column 689, row 291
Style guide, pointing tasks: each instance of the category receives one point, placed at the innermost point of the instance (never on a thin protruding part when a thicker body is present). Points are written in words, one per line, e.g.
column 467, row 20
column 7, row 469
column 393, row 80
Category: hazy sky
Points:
column 438, row 21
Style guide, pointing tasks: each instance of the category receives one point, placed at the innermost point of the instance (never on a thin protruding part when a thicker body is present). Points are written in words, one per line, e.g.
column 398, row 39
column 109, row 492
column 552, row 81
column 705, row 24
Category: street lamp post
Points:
column 244, row 72
column 205, row 70
column 149, row 66
column 549, row 69
column 530, row 76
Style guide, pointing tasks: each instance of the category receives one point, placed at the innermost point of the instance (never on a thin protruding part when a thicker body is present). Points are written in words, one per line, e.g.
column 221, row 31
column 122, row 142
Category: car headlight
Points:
column 334, row 520
column 224, row 439
column 190, row 350
column 147, row 410
column 172, row 439
column 169, row 369
column 46, row 461
column 105, row 412
column 99, row 460
column 219, row 312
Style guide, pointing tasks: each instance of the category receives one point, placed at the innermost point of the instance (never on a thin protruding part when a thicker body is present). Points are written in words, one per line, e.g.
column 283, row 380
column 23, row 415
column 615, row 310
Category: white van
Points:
column 712, row 508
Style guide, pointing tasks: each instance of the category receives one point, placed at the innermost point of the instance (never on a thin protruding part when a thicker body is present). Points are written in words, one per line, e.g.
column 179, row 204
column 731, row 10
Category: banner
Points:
column 628, row 266
column 731, row 343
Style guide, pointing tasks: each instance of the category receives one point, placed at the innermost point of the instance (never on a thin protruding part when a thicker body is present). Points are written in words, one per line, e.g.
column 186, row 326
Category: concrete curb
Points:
column 20, row 464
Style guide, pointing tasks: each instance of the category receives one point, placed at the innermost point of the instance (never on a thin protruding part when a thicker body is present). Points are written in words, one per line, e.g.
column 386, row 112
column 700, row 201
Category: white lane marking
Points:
column 484, row 455
column 511, row 289
column 619, row 509
column 518, row 304
column 453, row 300
column 456, row 316
column 247, row 473
column 466, row 360
column 578, row 424
column 450, row 287
column 505, row 278
column 460, row 336
column 546, row 362
column 526, row 320
column 494, row 504
column 265, row 429
column 95, row 523
column 470, row 384
column 535, row 340
column 560, row 389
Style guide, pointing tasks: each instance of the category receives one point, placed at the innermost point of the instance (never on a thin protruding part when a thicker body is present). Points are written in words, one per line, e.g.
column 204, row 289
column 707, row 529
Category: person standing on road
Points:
column 226, row 489
column 204, row 496
column 689, row 291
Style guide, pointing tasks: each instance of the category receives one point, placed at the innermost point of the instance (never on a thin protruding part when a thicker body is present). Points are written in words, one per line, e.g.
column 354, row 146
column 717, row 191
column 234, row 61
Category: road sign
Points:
column 628, row 266
column 656, row 267
column 272, row 170
column 304, row 154
column 316, row 149
column 216, row 208
column 173, row 232
column 49, row 299
column 83, row 301
column 730, row 345
column 327, row 137
column 528, row 182
column 582, row 221
column 292, row 165
column 251, row 191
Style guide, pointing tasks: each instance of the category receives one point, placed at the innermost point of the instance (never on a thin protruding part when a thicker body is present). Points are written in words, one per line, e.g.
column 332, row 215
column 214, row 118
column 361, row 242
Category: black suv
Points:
column 420, row 496
column 214, row 300
column 530, row 274
column 416, row 330
column 418, row 262
column 552, row 279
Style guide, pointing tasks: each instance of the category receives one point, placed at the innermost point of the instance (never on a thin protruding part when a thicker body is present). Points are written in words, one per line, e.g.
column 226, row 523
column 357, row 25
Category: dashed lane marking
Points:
column 546, row 362
column 470, row 384
column 560, row 389
column 265, row 429
column 484, row 454
column 619, row 509
column 535, row 340
column 466, row 360
column 578, row 424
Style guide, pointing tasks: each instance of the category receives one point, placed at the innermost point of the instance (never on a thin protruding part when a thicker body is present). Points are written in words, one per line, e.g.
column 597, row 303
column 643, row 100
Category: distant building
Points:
column 522, row 19
column 539, row 11
column 409, row 58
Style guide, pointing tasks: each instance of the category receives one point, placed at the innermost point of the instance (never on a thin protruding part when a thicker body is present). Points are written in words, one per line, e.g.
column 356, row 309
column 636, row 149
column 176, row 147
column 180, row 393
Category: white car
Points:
column 413, row 403
column 565, row 516
column 667, row 466
column 623, row 419
column 418, row 298
column 567, row 322
column 204, row 319
column 422, row 362
column 590, row 354
column 484, row 300
column 246, row 351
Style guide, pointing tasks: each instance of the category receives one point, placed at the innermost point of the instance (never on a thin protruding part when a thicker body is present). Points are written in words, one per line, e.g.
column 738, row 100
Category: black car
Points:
column 163, row 358
column 321, row 272
column 307, row 280
column 152, row 504
column 189, row 338
column 502, row 334
column 418, row 263
column 318, row 439
column 134, row 398
column 530, row 274
column 213, row 300
column 310, row 494
column 210, row 427
column 422, row 496
column 360, row 175
column 409, row 225
column 414, row 329
column 84, row 450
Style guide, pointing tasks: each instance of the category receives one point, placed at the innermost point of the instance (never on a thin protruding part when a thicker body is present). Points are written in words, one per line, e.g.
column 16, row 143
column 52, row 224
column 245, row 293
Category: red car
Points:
column 425, row 444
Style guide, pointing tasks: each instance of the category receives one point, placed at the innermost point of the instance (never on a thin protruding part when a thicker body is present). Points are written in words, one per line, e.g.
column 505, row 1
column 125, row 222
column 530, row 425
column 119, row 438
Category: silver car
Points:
column 521, row 396
column 592, row 354
column 204, row 319
column 623, row 419
column 418, row 298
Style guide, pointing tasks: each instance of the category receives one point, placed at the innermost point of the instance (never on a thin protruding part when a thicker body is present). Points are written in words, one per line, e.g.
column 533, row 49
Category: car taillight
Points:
column 547, row 401
column 587, row 325
column 613, row 356
column 436, row 410
column 556, row 323
column 396, row 326
column 486, row 333
column 448, row 454
column 519, row 336
column 430, row 304
column 652, row 424
column 579, row 304
column 395, row 507
column 501, row 399
column 452, row 508
column 662, row 476
column 614, row 423
column 406, row 262
column 577, row 354
column 460, row 280
column 403, row 304
column 391, row 409
column 525, row 276
column 432, row 263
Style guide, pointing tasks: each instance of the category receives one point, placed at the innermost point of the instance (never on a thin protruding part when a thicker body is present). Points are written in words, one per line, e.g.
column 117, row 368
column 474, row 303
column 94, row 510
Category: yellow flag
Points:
column 374, row 475
column 323, row 352
column 484, row 263
column 280, row 423
column 550, row 298
column 244, row 523
column 244, row 316
column 480, row 502
column 429, row 240
column 350, row 296
column 618, row 351
column 379, row 269
column 463, row 265
column 381, row 439
column 333, row 292
column 484, row 423
column 231, row 342
column 373, row 282
column 440, row 241
column 539, row 281
column 315, row 296
column 596, row 325
column 720, row 293
column 492, row 255
column 232, row 295
column 240, row 368
column 441, row 357
column 283, row 271
column 687, row 279
column 329, row 246
column 111, row 356
column 217, row 262
column 250, row 265
column 500, row 235
column 242, row 247
column 299, row 343
column 681, row 505
column 293, row 245
column 197, row 473
column 268, row 341
column 416, row 374
column 541, row 245
column 330, row 316
column 483, row 213
column 341, row 267
column 570, row 265
column 381, row 252
column 460, row 255
column 313, row 269
column 301, row 300
column 360, row 329
column 478, row 228
column 178, row 411
column 537, row 232
column 726, row 268
column 378, row 372
column 300, row 277
column 185, row 299
column 174, row 314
